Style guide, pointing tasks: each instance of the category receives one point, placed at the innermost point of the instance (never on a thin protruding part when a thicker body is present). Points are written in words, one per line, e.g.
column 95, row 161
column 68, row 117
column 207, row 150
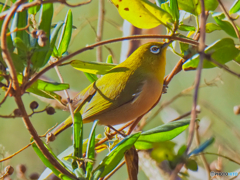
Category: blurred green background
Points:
column 220, row 98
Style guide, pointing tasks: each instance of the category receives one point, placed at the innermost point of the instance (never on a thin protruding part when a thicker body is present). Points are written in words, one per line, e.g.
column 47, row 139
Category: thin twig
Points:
column 114, row 133
column 117, row 168
column 201, row 48
column 66, row 94
column 100, row 28
column 90, row 47
column 6, row 94
column 184, row 115
column 197, row 83
column 228, row 158
column 204, row 160
column 14, row 154
column 229, row 18
column 25, row 6
column 134, row 124
column 222, row 66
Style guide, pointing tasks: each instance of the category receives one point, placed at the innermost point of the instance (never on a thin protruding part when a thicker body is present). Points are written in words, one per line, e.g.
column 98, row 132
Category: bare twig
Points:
column 184, row 115
column 66, row 94
column 204, row 160
column 103, row 43
column 14, row 154
column 201, row 48
column 6, row 94
column 134, row 124
column 117, row 168
column 229, row 18
column 100, row 28
column 197, row 83
column 114, row 133
column 40, row 2
column 222, row 66
column 228, row 158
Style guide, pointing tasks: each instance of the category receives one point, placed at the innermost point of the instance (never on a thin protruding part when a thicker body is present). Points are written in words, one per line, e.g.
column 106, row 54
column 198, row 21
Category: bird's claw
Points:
column 164, row 90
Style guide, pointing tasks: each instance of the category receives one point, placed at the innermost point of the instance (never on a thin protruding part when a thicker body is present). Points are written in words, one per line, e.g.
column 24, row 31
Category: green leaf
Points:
column 109, row 59
column 161, row 133
column 194, row 6
column 50, row 86
column 223, row 51
column 40, row 58
column 92, row 67
column 20, row 44
column 202, row 147
column 163, row 151
column 34, row 9
column 114, row 156
column 48, row 163
column 77, row 137
column 183, row 47
column 20, row 20
column 192, row 165
column 91, row 77
column 210, row 27
column 224, row 24
column 235, row 7
column 66, row 34
column 142, row 13
column 174, row 10
column 53, row 51
column 90, row 153
column 184, row 27
column 18, row 62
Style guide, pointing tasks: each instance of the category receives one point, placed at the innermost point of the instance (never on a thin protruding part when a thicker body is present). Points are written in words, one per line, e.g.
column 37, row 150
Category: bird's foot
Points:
column 164, row 90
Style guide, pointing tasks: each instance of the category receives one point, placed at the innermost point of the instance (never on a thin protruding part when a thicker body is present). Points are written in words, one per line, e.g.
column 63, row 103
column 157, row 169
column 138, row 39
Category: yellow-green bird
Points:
column 127, row 91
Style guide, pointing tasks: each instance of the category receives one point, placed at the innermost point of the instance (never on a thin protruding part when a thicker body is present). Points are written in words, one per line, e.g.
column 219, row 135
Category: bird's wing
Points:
column 112, row 91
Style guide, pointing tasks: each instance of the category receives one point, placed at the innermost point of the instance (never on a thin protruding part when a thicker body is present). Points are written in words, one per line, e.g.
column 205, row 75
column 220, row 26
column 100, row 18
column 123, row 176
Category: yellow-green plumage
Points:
column 127, row 91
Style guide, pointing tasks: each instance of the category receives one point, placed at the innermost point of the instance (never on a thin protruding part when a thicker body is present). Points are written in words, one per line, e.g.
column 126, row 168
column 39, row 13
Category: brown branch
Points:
column 184, row 115
column 114, row 133
column 14, row 154
column 222, row 66
column 201, row 48
column 6, row 94
column 117, row 168
column 40, row 2
column 229, row 18
column 17, row 92
column 204, row 160
column 134, row 124
column 66, row 94
column 100, row 29
column 90, row 47
column 228, row 158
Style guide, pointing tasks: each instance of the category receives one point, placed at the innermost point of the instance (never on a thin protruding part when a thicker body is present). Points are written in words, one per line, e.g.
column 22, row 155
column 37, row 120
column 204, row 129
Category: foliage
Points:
column 32, row 45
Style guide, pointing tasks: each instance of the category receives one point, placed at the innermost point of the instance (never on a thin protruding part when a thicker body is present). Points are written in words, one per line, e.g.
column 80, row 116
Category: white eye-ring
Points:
column 155, row 49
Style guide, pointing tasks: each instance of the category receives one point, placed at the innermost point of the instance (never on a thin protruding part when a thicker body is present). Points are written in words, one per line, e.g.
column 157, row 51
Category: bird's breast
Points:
column 140, row 104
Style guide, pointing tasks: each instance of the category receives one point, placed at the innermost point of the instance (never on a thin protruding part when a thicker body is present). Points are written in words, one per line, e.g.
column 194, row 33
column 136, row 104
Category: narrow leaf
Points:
column 92, row 67
column 210, row 27
column 202, row 147
column 34, row 9
column 66, row 34
column 161, row 133
column 90, row 153
column 174, row 9
column 77, row 137
column 114, row 156
column 235, row 7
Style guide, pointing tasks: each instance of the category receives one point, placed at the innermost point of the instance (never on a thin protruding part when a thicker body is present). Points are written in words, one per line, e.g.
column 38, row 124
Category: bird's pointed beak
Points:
column 165, row 45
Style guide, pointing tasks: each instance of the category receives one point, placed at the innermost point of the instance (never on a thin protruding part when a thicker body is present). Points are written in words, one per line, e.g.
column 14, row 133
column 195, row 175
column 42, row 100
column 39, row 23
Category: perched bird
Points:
column 127, row 91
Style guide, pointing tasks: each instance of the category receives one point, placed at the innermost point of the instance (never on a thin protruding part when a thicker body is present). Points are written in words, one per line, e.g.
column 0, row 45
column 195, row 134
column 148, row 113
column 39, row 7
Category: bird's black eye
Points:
column 155, row 49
